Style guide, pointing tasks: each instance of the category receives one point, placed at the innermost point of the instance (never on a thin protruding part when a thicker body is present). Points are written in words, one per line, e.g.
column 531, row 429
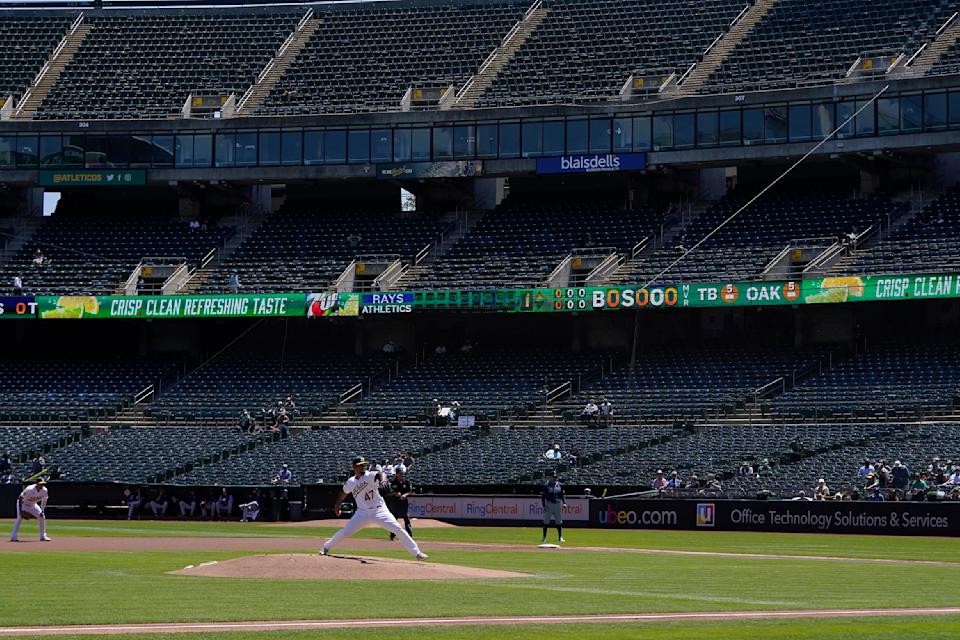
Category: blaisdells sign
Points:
column 490, row 508
column 211, row 306
column 93, row 178
column 592, row 163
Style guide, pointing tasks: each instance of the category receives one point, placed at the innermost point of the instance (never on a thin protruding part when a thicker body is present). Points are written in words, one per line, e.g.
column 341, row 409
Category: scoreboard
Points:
column 18, row 307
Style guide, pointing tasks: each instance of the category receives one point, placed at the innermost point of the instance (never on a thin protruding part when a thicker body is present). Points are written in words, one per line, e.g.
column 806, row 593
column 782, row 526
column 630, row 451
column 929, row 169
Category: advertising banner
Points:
column 491, row 508
column 17, row 307
column 875, row 288
column 591, row 163
column 209, row 306
column 882, row 518
column 93, row 178
column 448, row 169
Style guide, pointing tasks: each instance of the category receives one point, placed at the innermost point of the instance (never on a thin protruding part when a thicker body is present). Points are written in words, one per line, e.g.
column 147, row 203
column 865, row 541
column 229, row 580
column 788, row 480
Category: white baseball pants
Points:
column 380, row 517
column 34, row 510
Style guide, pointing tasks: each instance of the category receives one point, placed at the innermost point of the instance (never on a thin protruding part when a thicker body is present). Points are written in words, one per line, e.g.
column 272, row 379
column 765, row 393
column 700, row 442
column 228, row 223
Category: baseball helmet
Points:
column 360, row 460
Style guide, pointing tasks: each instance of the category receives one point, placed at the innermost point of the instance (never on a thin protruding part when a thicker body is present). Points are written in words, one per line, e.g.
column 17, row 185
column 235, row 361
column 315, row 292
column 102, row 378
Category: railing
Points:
column 853, row 67
column 422, row 254
column 608, row 264
column 740, row 15
column 769, row 388
column 347, row 274
column 271, row 65
column 493, row 54
column 351, row 393
column 207, row 259
column 555, row 394
column 915, row 54
column 776, row 260
column 683, row 78
column 392, row 272
column 143, row 395
column 712, row 44
column 639, row 247
column 46, row 65
column 895, row 62
column 947, row 23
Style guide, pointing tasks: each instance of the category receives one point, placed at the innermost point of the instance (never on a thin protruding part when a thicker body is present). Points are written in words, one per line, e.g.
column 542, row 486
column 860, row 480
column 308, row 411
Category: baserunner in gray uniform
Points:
column 553, row 500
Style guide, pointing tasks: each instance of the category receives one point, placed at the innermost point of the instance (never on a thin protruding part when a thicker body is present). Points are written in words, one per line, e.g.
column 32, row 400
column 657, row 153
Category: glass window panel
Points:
column 226, row 150
column 358, row 145
column 312, row 147
column 487, row 141
column 8, row 145
column 51, row 149
column 95, row 151
column 269, row 148
column 140, row 150
column 27, row 151
column 532, row 139
column 554, row 140
column 600, row 135
column 246, row 149
column 911, row 113
column 291, row 147
column 707, row 124
column 401, row 145
column 683, row 130
column 184, row 151
column 622, row 135
column 74, row 148
column 953, row 113
column 420, row 145
column 845, row 110
column 866, row 121
column 162, row 151
column 577, row 136
column 823, row 123
column 465, row 141
column 752, row 126
column 775, row 123
column 935, row 111
column 888, row 115
column 510, row 140
column 799, row 122
column 381, row 145
column 335, row 146
column 641, row 134
column 662, row 132
column 202, row 150
column 442, row 143
column 730, row 128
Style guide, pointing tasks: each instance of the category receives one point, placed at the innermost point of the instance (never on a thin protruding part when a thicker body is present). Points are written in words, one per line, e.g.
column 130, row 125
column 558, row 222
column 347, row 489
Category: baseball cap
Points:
column 40, row 481
column 552, row 473
column 360, row 460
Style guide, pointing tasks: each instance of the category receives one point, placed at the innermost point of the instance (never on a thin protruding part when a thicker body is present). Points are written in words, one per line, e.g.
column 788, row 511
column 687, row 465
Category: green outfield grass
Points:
column 944, row 628
column 131, row 587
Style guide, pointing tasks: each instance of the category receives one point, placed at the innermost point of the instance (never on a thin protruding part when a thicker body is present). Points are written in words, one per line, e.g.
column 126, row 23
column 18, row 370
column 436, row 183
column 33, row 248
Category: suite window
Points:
column 554, row 141
column 312, row 147
column 510, row 140
column 775, row 124
column 420, row 145
column 381, row 147
column 532, row 139
column 358, row 146
column 622, row 135
column 291, row 147
column 465, row 141
column 888, row 115
column 487, row 146
column 911, row 113
column 269, row 148
column 752, row 126
column 442, row 143
column 577, row 136
column 662, row 132
column 707, row 123
column 799, row 122
column 935, row 111
column 730, row 133
column 334, row 146
column 600, row 135
column 246, row 149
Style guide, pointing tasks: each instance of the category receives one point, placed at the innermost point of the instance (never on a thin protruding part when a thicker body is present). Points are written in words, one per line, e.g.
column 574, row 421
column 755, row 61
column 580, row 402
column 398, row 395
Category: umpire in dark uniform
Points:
column 400, row 490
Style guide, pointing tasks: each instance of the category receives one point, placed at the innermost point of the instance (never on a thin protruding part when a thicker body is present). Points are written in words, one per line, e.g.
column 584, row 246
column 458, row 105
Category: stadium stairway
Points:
column 50, row 73
column 501, row 56
column 243, row 226
column 715, row 56
column 253, row 98
column 460, row 228
column 933, row 51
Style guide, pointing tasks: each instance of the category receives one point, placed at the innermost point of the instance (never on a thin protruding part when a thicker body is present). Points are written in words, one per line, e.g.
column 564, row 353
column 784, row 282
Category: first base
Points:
column 548, row 546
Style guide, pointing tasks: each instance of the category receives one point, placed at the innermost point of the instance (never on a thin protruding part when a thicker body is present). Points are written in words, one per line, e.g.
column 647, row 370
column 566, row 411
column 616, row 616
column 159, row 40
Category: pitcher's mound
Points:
column 299, row 566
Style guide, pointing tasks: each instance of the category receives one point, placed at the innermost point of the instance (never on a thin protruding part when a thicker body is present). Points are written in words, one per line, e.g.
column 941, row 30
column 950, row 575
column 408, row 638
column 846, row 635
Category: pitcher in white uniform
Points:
column 32, row 502
column 364, row 486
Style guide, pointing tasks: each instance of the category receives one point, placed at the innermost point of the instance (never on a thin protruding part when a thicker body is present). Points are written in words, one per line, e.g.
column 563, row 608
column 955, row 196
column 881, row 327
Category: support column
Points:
column 488, row 192
column 261, row 199
column 33, row 201
column 713, row 183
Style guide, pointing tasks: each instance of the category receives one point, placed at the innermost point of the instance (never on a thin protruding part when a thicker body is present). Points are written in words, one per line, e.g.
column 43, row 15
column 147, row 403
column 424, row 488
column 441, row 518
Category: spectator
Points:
column 674, row 482
column 284, row 476
column 281, row 422
column 590, row 412
column 935, row 467
column 194, row 225
column 764, row 468
column 38, row 465
column 353, row 240
column 919, row 487
column 246, row 422
column 746, row 469
column 660, row 482
column 224, row 504
column 159, row 504
column 802, row 496
column 797, row 445
column 440, row 350
column 7, row 477
column 453, row 415
column 866, row 469
column 38, row 258
column 5, row 464
column 56, row 473
column 388, row 469
column 821, row 491
column 389, row 347
column 188, row 505
column 875, row 495
column 573, row 456
column 133, row 498
column 693, row 482
column 291, row 406
column 234, row 281
column 899, row 476
column 713, row 483
column 883, row 474
column 466, row 347
column 17, row 286
column 606, row 411
column 954, row 478
column 553, row 454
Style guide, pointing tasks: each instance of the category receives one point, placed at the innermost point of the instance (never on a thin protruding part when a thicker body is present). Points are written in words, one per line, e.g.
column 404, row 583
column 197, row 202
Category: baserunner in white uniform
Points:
column 364, row 486
column 32, row 503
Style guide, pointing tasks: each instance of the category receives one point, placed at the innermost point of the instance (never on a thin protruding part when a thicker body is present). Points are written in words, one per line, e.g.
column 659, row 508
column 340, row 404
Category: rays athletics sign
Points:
column 592, row 163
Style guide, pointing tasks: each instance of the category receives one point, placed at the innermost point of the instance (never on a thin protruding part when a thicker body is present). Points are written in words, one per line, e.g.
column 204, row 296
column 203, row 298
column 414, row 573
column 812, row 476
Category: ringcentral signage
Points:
column 592, row 163
column 492, row 508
